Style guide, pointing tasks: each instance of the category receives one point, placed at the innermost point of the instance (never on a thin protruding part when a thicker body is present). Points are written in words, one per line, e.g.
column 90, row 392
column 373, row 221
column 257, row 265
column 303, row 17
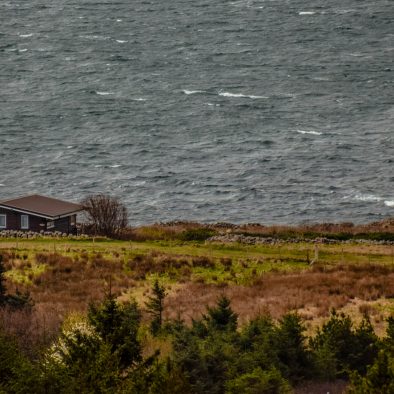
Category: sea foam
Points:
column 240, row 95
column 389, row 203
column 313, row 132
column 368, row 197
column 188, row 92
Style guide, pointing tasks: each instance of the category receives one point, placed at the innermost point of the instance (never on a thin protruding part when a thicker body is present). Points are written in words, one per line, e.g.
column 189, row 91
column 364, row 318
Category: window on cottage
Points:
column 50, row 224
column 3, row 221
column 24, row 222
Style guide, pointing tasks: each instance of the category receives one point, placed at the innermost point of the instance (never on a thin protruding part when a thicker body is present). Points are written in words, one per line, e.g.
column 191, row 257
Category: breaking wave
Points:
column 241, row 95
column 313, row 132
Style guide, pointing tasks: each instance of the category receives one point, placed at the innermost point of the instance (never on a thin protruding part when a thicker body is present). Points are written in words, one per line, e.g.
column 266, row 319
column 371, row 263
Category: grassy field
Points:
column 63, row 276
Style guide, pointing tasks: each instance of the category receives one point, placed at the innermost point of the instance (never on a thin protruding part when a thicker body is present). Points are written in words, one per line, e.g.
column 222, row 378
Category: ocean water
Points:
column 271, row 111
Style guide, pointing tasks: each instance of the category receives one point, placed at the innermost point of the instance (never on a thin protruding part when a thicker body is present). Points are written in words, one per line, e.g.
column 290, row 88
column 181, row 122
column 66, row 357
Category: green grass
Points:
column 26, row 274
column 248, row 261
column 285, row 252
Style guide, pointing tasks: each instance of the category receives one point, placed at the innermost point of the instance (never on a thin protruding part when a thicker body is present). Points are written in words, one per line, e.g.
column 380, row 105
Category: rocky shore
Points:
column 250, row 240
column 42, row 234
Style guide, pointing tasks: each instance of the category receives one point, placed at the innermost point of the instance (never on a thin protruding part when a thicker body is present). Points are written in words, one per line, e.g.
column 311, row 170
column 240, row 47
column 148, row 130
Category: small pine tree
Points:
column 336, row 336
column 259, row 381
column 155, row 306
column 222, row 317
column 292, row 351
column 378, row 379
column 365, row 347
column 118, row 324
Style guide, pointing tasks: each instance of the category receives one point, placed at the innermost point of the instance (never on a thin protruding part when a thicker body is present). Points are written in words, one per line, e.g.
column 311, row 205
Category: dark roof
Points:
column 42, row 206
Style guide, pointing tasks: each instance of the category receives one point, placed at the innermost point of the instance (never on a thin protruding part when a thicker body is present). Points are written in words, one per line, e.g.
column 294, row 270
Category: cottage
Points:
column 37, row 213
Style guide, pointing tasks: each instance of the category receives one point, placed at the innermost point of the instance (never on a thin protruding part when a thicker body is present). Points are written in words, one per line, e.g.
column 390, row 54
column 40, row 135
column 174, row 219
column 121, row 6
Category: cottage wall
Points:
column 63, row 225
column 14, row 221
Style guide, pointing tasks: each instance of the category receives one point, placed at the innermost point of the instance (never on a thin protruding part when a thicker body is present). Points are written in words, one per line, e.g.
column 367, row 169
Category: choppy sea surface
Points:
column 271, row 111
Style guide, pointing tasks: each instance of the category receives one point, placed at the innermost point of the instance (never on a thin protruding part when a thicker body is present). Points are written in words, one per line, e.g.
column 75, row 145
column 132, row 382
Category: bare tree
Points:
column 106, row 215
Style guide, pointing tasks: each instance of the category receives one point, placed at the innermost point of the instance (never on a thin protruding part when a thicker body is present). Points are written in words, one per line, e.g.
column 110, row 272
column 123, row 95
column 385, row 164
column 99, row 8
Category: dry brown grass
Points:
column 78, row 274
column 156, row 263
column 70, row 284
column 33, row 329
column 312, row 292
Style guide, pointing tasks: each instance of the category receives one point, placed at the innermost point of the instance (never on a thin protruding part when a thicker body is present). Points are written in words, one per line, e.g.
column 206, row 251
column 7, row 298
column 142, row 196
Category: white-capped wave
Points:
column 25, row 35
column 139, row 99
column 313, row 132
column 241, row 95
column 22, row 50
column 104, row 93
column 192, row 91
column 95, row 37
column 307, row 13
column 116, row 165
column 367, row 197
column 121, row 41
column 388, row 203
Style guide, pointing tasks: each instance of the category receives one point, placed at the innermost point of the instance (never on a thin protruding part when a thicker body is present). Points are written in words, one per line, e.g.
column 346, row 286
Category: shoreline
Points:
column 380, row 233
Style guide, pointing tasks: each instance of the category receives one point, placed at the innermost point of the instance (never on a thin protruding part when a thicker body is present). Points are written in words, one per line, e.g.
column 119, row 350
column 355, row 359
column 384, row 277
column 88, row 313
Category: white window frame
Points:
column 26, row 226
column 3, row 215
column 50, row 224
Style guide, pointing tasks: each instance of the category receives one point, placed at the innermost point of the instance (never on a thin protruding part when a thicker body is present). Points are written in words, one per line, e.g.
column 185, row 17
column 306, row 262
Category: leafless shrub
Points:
column 106, row 215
